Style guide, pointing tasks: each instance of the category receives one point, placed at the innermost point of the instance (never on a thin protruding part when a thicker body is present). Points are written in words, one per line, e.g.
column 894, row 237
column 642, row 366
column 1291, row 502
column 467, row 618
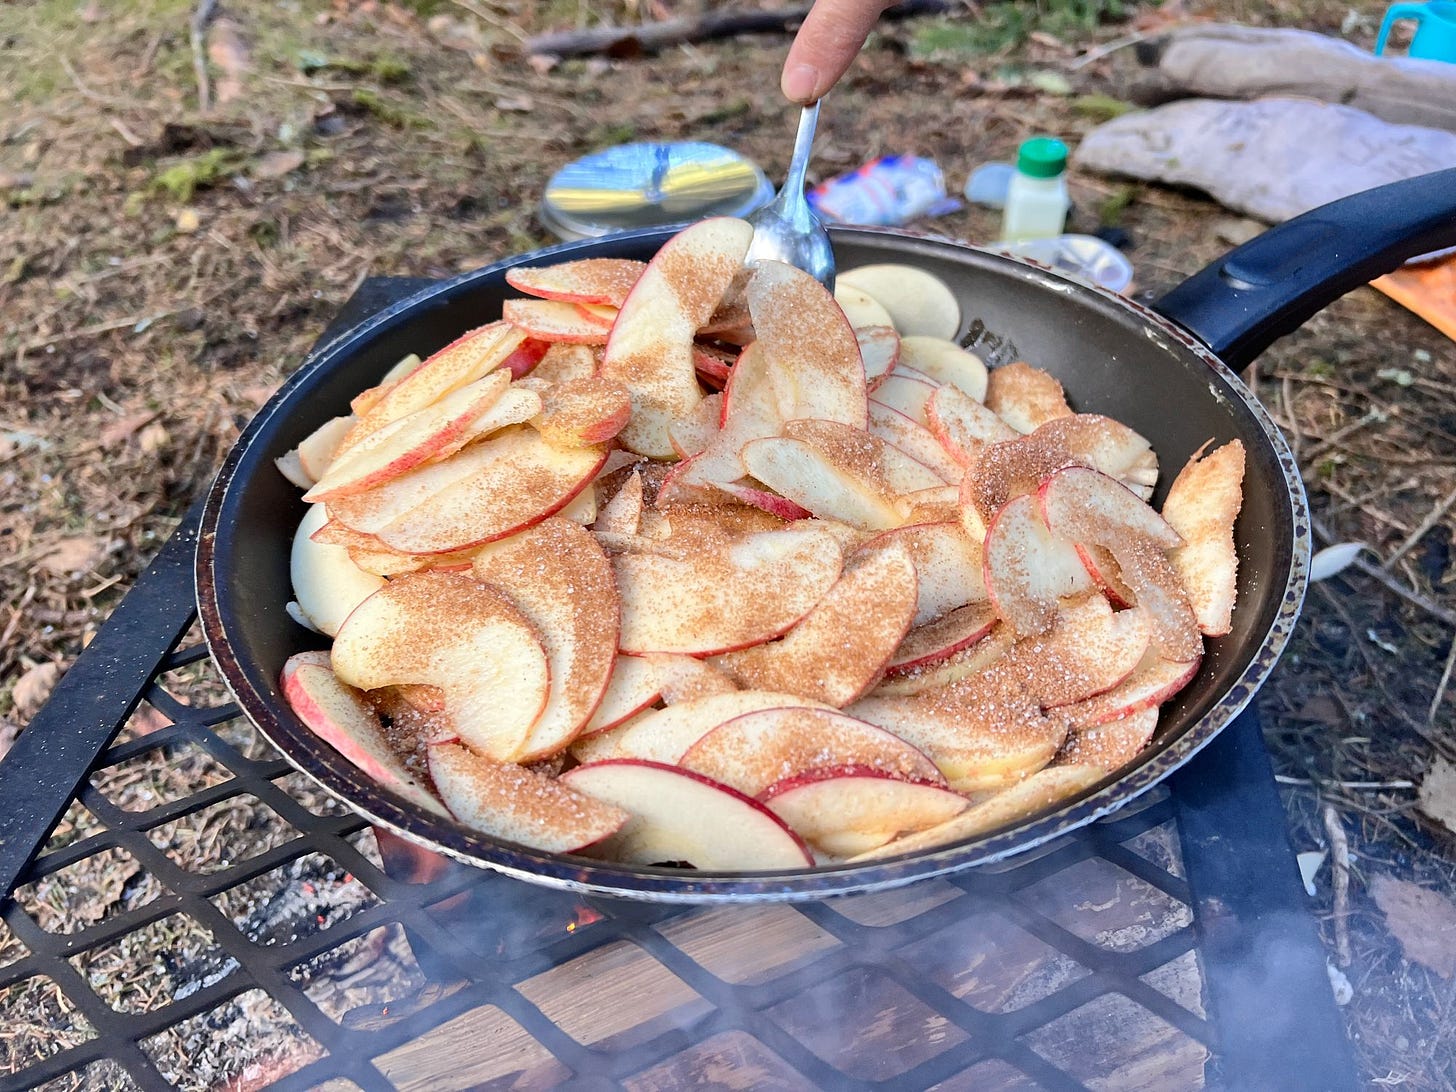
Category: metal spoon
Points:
column 786, row 229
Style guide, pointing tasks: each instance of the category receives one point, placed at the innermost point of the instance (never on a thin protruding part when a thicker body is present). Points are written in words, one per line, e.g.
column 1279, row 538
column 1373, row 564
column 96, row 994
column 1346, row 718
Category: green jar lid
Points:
column 1042, row 157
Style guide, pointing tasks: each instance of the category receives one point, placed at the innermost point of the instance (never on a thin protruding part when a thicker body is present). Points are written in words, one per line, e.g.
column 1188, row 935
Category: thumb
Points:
column 832, row 34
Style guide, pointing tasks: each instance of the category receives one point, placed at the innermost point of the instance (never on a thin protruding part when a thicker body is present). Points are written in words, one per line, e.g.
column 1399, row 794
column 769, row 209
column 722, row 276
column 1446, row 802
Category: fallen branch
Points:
column 198, row 33
column 651, row 37
column 1340, row 872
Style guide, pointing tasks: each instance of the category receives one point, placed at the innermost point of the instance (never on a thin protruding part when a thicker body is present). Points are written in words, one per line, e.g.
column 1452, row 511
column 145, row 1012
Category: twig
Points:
column 1410, row 595
column 1094, row 55
column 198, row 33
column 86, row 92
column 1340, row 871
column 148, row 55
column 1285, row 779
column 1434, row 517
column 496, row 21
column 1441, row 686
column 126, row 134
column 650, row 37
column 1334, row 438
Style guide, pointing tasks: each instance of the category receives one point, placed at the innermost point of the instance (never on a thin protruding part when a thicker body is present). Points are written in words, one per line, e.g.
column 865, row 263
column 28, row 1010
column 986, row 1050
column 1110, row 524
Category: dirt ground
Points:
column 163, row 267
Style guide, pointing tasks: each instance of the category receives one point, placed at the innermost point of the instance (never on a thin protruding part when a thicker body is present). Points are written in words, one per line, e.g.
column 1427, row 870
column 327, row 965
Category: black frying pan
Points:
column 1167, row 372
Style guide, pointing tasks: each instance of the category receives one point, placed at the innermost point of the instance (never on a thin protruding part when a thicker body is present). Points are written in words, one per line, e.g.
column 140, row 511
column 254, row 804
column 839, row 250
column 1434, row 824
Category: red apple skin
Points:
column 769, row 502
column 588, row 280
column 826, row 773
column 524, row 359
column 583, row 775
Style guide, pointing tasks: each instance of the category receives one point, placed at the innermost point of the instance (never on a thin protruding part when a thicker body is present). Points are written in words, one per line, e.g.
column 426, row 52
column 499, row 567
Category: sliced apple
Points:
column 451, row 631
column 339, row 715
column 879, row 348
column 327, row 585
column 840, row 648
column 470, row 357
column 586, row 280
column 909, row 394
column 713, row 364
column 772, row 503
column 1090, row 650
column 817, row 375
column 919, row 303
column 941, row 672
column 754, row 751
column 664, row 735
column 963, row 426
column 559, row 578
column 1028, row 569
column 804, row 474
column 679, row 817
column 979, row 731
column 1039, row 792
column 945, row 362
column 1090, row 508
column 651, row 348
column 552, row 321
column 564, row 361
column 693, row 433
column 320, row 446
column 291, row 467
column 1153, row 682
column 504, row 800
column 582, row 412
column 408, row 441
column 844, row 812
column 1110, row 745
column 913, row 439
column 735, row 592
column 622, row 515
column 1102, row 567
column 636, row 683
column 1025, row 397
column 859, row 307
column 367, row 399
column 524, row 360
column 938, row 640
column 485, row 492
column 879, row 466
column 948, row 563
column 1202, row 506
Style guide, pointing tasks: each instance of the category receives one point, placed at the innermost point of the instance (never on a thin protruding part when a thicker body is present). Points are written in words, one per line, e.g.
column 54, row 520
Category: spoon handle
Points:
column 803, row 142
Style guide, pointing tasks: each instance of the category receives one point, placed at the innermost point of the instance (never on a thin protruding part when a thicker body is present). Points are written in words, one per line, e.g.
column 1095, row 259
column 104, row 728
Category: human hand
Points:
column 826, row 45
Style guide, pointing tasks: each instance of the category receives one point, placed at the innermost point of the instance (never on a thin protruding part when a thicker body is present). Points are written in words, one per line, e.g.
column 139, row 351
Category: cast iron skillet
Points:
column 1167, row 372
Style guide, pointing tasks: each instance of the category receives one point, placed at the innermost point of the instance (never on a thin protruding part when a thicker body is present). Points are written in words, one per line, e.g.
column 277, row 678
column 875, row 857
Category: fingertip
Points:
column 800, row 83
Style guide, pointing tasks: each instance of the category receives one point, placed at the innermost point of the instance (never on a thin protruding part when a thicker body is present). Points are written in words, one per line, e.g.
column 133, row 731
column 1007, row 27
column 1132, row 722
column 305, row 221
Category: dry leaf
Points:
column 72, row 555
column 517, row 104
column 1437, row 797
column 542, row 63
column 225, row 48
column 277, row 164
column 1423, row 921
column 33, row 688
column 188, row 222
column 256, row 396
column 124, row 427
column 148, row 719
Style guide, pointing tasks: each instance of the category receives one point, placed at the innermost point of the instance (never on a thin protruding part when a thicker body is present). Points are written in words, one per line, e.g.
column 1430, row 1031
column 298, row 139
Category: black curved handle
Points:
column 1272, row 284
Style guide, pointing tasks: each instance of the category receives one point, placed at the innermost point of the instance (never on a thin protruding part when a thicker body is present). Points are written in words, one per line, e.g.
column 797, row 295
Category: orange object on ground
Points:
column 1428, row 289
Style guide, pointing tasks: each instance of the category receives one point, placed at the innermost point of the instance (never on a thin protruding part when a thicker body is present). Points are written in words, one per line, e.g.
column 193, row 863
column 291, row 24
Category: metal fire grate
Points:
column 257, row 935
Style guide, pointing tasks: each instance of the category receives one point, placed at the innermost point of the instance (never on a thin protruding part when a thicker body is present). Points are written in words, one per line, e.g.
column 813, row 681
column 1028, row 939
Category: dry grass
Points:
column 166, row 269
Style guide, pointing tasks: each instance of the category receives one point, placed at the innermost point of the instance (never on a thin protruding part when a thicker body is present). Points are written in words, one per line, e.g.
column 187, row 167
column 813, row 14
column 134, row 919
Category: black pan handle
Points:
column 1272, row 284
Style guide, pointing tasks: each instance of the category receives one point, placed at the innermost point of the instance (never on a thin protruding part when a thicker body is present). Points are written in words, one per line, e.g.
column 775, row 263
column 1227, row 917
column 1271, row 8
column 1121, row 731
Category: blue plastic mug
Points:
column 1435, row 38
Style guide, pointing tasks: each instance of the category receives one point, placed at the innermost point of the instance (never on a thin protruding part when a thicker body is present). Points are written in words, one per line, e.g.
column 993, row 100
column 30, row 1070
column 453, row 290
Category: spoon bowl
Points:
column 786, row 229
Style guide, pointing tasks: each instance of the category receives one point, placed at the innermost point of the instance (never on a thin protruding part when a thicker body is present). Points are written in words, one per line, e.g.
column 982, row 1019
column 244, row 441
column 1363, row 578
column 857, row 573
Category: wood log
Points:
column 1238, row 62
column 652, row 37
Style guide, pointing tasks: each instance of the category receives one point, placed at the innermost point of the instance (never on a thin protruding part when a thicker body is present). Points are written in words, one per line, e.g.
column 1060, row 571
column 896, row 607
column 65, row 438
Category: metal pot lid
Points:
column 646, row 185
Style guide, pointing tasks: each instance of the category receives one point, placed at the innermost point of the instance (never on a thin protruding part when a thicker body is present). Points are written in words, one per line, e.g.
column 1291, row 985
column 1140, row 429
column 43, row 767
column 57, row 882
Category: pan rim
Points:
column 362, row 795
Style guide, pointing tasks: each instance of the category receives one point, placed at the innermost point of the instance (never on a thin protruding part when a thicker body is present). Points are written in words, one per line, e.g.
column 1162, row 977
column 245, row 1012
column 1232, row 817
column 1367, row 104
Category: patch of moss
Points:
column 368, row 99
column 181, row 180
column 1101, row 107
column 1109, row 213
